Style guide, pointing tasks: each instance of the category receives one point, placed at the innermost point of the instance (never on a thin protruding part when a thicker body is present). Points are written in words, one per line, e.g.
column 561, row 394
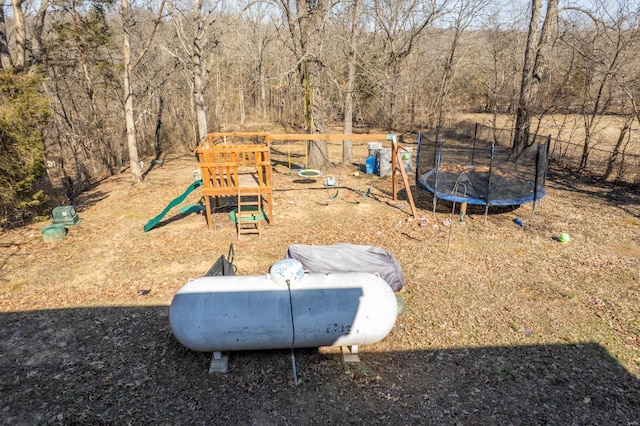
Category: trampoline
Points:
column 468, row 166
column 472, row 186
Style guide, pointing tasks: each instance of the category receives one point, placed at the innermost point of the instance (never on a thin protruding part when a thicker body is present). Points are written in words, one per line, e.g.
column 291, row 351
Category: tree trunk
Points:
column 157, row 139
column 617, row 149
column 241, row 111
column 533, row 69
column 586, row 146
column 38, row 27
column 263, row 91
column 523, row 114
column 314, row 118
column 198, row 86
column 467, row 11
column 447, row 73
column 5, row 56
column 21, row 35
column 311, row 17
column 104, row 148
column 393, row 94
column 130, row 124
column 347, row 151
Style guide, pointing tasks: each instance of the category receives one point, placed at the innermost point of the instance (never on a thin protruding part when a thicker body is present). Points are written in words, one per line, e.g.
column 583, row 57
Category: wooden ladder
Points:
column 249, row 211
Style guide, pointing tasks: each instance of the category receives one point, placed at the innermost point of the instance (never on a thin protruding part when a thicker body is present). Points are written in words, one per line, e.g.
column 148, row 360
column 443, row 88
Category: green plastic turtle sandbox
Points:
column 234, row 218
column 54, row 233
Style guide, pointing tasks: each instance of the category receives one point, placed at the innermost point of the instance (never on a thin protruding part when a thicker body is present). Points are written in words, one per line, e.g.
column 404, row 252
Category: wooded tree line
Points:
column 135, row 79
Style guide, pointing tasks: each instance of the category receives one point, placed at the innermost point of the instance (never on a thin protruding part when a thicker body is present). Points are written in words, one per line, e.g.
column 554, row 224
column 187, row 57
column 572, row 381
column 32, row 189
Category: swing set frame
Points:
column 371, row 137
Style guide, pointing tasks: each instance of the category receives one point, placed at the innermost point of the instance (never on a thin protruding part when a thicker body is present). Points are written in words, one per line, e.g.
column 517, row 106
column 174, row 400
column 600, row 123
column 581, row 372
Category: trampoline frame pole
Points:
column 486, row 208
column 435, row 148
column 438, row 158
column 536, row 181
column 475, row 138
column 546, row 162
column 417, row 175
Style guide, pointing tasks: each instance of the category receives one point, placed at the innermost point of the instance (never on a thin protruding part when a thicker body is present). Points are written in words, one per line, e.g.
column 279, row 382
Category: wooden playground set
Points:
column 244, row 171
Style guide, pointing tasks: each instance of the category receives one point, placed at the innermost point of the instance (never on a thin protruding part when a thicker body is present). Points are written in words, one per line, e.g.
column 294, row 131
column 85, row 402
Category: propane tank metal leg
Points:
column 219, row 363
column 350, row 354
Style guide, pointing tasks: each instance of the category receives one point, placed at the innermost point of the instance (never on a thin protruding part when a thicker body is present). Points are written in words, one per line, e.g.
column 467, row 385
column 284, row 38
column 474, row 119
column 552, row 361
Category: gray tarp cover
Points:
column 349, row 258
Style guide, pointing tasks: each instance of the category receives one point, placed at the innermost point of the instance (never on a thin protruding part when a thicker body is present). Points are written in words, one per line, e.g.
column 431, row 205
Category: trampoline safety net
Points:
column 476, row 165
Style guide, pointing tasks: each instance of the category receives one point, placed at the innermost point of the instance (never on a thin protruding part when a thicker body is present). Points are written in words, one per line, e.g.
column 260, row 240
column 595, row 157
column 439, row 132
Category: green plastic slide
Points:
column 153, row 222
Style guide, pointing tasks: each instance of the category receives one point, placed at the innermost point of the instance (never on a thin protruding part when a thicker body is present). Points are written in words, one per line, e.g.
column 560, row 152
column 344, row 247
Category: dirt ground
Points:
column 503, row 324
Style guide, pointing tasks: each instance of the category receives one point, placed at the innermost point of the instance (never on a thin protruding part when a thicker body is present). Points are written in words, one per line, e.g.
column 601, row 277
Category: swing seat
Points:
column 330, row 181
column 306, row 173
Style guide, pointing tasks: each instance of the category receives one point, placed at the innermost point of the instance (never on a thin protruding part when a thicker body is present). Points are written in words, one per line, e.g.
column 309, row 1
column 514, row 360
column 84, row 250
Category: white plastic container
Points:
column 384, row 160
column 374, row 147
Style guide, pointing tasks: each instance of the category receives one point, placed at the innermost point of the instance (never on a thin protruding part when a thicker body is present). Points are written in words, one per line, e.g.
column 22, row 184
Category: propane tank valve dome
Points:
column 287, row 272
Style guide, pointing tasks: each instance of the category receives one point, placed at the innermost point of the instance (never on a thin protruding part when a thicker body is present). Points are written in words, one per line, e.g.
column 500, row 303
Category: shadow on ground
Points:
column 121, row 365
column 620, row 195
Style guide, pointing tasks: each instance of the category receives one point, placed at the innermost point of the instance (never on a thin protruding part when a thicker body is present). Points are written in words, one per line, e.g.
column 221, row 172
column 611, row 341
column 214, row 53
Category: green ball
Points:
column 564, row 237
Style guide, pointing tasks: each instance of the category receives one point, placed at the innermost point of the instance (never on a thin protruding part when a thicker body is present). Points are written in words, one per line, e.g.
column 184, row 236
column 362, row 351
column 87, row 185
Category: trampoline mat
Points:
column 473, row 187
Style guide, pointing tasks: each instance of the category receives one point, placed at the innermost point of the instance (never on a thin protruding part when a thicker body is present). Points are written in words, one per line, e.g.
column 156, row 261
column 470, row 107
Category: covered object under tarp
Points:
column 349, row 258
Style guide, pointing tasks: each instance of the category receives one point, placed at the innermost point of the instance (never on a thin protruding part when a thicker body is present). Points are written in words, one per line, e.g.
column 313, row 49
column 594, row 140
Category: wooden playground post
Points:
column 397, row 165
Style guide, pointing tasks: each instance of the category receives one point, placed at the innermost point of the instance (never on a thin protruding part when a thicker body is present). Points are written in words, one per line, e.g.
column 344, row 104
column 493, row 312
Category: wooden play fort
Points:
column 244, row 171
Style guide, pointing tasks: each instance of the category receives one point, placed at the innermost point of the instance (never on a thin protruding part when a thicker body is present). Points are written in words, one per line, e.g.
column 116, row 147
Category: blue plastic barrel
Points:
column 370, row 164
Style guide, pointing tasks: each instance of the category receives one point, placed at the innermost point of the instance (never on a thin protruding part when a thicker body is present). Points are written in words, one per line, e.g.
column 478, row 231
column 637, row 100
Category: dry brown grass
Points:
column 504, row 325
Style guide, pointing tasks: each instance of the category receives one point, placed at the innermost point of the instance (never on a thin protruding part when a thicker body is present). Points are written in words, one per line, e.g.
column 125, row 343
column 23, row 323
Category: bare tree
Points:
column 87, row 34
column 619, row 147
column 352, row 61
column 23, row 49
column 128, row 66
column 130, row 124
column 5, row 55
column 535, row 63
column 497, row 64
column 312, row 16
column 400, row 24
column 38, row 28
column 605, row 51
column 76, row 49
column 198, row 37
column 464, row 13
column 305, row 22
column 20, row 28
column 255, row 38
column 200, row 24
